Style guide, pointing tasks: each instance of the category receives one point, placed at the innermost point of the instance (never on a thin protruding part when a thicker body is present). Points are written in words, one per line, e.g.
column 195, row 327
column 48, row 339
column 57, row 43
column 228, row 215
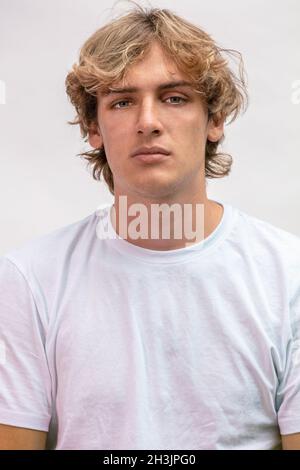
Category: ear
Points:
column 215, row 130
column 94, row 136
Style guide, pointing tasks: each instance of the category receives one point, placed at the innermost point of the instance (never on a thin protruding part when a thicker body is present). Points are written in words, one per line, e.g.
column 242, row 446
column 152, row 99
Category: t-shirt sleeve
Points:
column 25, row 385
column 288, row 394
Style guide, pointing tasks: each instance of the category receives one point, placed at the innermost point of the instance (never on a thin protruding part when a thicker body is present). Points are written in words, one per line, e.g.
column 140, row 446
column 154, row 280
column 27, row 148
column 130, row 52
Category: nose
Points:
column 148, row 121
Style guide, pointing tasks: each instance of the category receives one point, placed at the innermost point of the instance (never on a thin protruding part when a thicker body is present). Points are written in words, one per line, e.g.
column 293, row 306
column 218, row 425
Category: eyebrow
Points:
column 162, row 86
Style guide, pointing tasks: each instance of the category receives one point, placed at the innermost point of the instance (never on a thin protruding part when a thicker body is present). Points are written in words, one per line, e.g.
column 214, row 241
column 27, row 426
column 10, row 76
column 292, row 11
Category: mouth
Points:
column 151, row 157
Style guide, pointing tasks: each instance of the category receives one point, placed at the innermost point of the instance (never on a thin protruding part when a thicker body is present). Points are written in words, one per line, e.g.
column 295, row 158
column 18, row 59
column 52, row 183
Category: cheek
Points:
column 117, row 134
column 110, row 138
column 193, row 136
column 114, row 151
column 194, row 123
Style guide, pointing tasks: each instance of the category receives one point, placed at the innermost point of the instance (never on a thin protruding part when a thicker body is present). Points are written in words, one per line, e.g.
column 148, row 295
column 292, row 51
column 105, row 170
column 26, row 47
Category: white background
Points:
column 44, row 185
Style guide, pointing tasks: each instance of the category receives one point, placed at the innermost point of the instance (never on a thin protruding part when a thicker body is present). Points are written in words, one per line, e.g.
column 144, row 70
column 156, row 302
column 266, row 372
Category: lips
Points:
column 151, row 157
column 150, row 150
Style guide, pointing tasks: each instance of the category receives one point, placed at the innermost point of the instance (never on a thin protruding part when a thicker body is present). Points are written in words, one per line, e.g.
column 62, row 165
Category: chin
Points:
column 156, row 189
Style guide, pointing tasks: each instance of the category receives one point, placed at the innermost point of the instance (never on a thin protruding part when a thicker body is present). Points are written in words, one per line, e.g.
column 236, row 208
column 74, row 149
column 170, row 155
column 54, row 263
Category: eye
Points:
column 178, row 97
column 115, row 105
column 123, row 101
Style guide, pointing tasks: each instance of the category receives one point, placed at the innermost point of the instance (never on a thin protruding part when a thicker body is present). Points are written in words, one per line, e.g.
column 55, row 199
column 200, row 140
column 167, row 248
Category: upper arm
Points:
column 25, row 380
column 291, row 441
column 15, row 438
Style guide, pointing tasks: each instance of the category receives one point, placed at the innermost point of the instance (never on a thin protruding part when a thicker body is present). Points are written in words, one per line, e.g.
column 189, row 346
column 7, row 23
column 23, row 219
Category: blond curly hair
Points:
column 106, row 55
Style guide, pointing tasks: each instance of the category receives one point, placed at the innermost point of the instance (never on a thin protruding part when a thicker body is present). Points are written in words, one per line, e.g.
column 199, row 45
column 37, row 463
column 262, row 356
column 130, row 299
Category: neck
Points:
column 165, row 224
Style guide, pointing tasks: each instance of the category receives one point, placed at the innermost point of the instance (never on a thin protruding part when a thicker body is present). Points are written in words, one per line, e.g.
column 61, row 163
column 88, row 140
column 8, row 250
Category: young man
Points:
column 144, row 342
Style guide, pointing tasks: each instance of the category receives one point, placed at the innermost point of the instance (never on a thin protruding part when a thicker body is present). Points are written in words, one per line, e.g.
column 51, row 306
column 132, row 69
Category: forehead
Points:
column 154, row 71
column 159, row 62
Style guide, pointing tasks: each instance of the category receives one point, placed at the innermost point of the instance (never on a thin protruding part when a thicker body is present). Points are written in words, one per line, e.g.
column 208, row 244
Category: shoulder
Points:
column 46, row 252
column 264, row 234
column 266, row 231
column 270, row 246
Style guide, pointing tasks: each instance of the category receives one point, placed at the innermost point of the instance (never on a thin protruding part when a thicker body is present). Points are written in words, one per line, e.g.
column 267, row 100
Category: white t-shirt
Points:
column 114, row 346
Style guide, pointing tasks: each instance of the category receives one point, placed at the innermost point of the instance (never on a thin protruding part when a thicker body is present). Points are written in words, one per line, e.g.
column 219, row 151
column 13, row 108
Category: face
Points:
column 173, row 118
